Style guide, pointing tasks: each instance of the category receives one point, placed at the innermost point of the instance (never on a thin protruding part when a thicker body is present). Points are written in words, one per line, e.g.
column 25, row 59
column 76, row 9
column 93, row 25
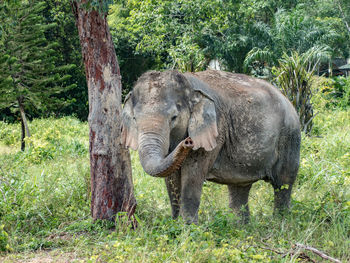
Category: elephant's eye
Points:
column 173, row 118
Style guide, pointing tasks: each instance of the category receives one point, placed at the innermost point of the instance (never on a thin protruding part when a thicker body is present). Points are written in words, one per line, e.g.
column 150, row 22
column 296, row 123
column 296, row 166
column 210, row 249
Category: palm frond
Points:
column 258, row 55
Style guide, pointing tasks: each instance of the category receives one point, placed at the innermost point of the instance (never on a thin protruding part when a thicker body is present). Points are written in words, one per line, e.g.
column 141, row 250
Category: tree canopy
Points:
column 186, row 35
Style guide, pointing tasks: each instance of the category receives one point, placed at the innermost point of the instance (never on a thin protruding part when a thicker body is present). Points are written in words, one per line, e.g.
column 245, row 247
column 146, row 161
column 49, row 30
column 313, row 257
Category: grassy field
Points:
column 45, row 215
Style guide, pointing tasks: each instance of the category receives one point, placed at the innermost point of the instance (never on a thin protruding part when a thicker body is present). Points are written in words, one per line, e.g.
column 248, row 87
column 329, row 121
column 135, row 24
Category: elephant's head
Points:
column 165, row 116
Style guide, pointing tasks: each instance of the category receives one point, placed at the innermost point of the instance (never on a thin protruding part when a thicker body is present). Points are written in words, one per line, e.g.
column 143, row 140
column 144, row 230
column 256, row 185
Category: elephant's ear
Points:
column 129, row 136
column 202, row 126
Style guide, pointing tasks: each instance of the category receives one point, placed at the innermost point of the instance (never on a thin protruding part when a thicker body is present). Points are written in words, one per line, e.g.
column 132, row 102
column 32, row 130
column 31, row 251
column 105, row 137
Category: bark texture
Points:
column 111, row 179
column 23, row 144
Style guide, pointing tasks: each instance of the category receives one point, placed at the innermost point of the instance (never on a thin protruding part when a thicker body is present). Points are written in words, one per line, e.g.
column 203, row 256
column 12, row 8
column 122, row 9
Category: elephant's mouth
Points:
column 156, row 166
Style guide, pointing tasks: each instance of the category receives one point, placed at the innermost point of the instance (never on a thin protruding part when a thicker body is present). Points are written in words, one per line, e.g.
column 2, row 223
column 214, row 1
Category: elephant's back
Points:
column 230, row 85
column 242, row 92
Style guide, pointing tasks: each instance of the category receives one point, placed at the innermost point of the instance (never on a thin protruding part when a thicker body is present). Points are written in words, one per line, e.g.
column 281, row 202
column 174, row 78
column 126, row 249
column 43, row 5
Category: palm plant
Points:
column 258, row 62
column 294, row 78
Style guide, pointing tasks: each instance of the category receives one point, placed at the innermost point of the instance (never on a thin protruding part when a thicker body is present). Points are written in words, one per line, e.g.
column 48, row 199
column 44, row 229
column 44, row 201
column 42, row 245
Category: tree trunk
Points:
column 24, row 124
column 111, row 179
column 23, row 143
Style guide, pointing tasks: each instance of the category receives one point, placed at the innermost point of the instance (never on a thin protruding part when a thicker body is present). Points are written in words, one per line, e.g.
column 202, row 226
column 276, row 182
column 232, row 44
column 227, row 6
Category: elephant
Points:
column 215, row 126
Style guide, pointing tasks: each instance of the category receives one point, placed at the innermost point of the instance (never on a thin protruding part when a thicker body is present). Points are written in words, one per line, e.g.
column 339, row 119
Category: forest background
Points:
column 243, row 36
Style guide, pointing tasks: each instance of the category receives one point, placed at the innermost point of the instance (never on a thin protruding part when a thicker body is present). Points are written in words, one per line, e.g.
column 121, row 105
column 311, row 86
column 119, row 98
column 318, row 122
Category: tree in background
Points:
column 65, row 36
column 28, row 75
column 110, row 165
column 68, row 52
column 296, row 31
column 184, row 35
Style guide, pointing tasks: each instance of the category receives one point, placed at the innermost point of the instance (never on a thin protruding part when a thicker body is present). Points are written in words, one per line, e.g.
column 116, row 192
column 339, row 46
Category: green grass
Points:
column 45, row 209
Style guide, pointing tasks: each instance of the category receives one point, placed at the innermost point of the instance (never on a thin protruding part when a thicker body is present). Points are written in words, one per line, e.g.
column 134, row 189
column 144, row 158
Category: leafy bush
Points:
column 4, row 246
column 337, row 92
column 10, row 135
column 50, row 138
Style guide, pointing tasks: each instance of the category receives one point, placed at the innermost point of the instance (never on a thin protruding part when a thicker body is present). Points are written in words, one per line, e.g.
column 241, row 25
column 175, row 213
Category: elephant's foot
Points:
column 282, row 199
column 189, row 217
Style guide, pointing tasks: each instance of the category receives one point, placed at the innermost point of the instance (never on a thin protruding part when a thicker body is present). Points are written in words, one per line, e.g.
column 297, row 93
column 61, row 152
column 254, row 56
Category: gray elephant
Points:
column 217, row 126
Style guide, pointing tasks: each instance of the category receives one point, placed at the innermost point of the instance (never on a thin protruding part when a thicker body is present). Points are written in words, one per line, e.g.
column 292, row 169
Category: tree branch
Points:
column 294, row 251
column 317, row 252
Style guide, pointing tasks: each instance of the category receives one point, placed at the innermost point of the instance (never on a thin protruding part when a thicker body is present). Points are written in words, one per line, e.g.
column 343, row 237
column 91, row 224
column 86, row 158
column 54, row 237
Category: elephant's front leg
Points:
column 173, row 185
column 192, row 178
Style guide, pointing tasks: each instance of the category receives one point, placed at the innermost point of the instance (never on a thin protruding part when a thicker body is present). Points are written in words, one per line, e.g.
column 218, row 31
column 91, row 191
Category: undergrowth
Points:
column 44, row 204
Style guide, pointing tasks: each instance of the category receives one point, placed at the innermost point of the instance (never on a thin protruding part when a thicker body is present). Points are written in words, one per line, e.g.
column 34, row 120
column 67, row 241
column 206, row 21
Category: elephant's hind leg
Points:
column 173, row 185
column 282, row 183
column 282, row 197
column 238, row 200
column 285, row 170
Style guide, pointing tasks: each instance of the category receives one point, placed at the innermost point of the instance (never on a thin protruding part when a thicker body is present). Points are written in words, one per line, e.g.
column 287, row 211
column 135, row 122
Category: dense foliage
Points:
column 45, row 214
column 337, row 91
column 188, row 34
column 244, row 36
column 68, row 48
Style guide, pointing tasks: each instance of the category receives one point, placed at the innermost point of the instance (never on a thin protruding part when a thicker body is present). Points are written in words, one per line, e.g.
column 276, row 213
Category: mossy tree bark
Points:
column 111, row 179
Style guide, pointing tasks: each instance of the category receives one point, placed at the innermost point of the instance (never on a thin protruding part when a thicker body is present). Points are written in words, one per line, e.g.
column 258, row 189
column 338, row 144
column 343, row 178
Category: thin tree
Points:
column 111, row 179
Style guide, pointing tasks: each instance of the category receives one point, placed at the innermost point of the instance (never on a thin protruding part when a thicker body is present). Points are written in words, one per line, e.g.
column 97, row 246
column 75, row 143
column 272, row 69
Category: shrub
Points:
column 4, row 238
column 338, row 92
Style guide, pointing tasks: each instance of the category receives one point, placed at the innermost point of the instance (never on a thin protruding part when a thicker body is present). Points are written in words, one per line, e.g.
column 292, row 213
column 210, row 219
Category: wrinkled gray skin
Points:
column 243, row 130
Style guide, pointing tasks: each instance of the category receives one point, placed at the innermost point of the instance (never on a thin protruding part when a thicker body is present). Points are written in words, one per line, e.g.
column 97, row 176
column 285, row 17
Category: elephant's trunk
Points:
column 153, row 159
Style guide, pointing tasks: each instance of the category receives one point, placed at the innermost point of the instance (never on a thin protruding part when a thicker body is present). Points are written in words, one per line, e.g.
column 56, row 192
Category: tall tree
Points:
column 28, row 75
column 111, row 179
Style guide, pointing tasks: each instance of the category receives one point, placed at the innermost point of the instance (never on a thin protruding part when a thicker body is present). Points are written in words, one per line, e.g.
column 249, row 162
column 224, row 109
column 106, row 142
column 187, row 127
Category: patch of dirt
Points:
column 42, row 257
column 4, row 149
column 61, row 236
